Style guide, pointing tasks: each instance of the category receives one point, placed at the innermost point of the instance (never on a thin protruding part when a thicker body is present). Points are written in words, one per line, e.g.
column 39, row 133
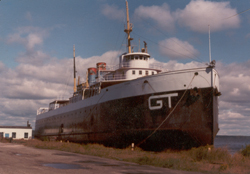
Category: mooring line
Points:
column 168, row 114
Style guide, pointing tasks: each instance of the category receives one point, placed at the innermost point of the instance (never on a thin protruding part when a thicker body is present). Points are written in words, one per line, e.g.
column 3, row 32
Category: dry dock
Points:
column 15, row 158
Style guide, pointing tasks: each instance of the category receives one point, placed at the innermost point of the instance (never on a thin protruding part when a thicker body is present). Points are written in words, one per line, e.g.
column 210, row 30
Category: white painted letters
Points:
column 159, row 102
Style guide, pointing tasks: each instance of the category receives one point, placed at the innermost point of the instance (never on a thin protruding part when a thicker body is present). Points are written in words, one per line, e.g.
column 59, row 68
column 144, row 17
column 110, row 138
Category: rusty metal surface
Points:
column 194, row 122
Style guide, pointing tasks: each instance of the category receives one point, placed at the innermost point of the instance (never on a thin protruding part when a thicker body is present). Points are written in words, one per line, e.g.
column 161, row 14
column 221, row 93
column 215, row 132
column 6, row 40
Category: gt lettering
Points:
column 159, row 102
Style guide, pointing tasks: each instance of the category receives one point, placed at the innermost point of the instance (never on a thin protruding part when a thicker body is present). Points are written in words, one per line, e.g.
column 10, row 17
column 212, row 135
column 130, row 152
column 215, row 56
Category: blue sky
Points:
column 37, row 38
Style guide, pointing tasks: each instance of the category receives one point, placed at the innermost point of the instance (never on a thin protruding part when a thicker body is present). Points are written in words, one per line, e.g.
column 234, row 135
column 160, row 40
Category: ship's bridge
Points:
column 134, row 60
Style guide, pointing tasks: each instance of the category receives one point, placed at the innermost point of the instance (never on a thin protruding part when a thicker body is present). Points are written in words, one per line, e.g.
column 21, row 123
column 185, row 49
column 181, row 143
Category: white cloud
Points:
column 174, row 65
column 177, row 49
column 27, row 87
column 34, row 39
column 233, row 123
column 235, row 80
column 160, row 14
column 234, row 102
column 112, row 12
column 30, row 38
column 198, row 14
column 33, row 57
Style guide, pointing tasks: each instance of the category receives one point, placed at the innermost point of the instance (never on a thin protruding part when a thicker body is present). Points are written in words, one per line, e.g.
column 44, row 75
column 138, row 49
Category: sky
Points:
column 37, row 38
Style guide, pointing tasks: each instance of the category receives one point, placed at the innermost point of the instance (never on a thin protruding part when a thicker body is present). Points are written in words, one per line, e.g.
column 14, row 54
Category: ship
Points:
column 136, row 103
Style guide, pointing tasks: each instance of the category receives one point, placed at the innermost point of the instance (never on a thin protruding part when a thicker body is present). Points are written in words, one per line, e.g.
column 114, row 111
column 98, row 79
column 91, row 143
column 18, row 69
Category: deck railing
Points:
column 42, row 110
column 127, row 65
column 121, row 76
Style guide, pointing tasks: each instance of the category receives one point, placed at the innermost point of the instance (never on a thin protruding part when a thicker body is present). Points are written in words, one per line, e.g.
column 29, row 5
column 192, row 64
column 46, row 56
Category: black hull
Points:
column 194, row 121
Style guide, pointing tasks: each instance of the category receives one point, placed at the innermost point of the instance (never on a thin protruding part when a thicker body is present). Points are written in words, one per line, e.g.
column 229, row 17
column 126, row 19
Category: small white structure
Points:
column 16, row 132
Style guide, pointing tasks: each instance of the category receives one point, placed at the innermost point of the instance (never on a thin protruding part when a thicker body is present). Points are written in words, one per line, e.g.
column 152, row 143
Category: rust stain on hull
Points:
column 119, row 123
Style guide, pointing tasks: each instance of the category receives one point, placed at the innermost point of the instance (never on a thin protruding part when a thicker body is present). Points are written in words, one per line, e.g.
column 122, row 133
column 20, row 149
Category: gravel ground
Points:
column 20, row 159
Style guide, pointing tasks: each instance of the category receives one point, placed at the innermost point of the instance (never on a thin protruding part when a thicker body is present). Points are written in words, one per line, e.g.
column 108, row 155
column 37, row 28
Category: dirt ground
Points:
column 20, row 159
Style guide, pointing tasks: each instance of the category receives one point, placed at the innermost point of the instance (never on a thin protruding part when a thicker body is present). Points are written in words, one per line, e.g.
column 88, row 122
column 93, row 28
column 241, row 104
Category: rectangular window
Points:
column 140, row 72
column 133, row 72
column 146, row 73
column 153, row 72
column 132, row 57
column 13, row 134
column 7, row 135
column 26, row 135
column 1, row 134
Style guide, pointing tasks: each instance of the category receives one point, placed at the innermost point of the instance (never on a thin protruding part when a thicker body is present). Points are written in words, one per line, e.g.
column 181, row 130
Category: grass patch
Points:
column 5, row 140
column 210, row 154
column 246, row 151
column 202, row 159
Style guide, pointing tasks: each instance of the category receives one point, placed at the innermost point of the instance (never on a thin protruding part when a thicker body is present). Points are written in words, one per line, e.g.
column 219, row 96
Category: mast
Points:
column 209, row 44
column 74, row 69
column 128, row 29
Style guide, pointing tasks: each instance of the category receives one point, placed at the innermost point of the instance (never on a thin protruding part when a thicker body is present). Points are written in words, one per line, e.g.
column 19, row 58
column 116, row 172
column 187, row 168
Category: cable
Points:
column 168, row 114
column 167, row 48
column 168, row 36
column 237, row 14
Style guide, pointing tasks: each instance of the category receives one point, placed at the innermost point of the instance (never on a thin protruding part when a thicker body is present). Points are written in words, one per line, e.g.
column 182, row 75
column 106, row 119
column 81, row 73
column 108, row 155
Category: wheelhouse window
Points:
column 132, row 57
column 127, row 58
column 133, row 72
column 140, row 72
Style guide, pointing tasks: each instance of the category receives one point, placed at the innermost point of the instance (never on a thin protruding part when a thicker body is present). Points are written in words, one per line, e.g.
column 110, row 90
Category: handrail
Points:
column 127, row 65
column 42, row 110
